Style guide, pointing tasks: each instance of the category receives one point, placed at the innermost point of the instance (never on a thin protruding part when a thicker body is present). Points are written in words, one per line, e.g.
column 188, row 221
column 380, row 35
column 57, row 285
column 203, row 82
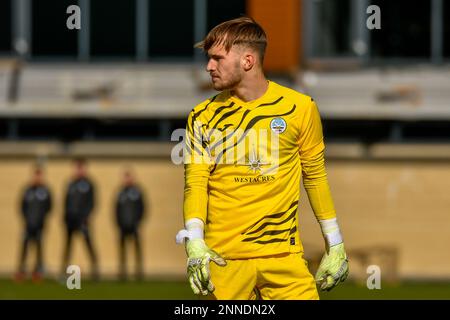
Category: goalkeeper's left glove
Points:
column 333, row 267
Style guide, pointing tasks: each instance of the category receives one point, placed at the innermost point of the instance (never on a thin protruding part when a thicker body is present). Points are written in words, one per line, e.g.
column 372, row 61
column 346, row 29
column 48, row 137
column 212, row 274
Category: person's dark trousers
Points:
column 84, row 229
column 133, row 235
column 32, row 236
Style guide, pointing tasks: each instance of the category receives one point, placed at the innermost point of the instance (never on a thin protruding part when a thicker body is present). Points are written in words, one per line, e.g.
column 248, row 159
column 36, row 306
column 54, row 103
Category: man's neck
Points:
column 251, row 89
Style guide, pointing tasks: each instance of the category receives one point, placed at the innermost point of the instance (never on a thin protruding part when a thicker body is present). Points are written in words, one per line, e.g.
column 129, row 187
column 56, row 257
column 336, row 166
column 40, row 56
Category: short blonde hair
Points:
column 240, row 31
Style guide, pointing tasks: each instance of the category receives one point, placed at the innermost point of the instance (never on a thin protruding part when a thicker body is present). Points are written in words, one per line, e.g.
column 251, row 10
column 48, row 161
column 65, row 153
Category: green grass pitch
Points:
column 180, row 290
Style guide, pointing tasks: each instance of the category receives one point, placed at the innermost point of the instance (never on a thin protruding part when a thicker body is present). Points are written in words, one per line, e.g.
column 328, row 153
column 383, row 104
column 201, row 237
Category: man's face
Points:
column 128, row 179
column 37, row 178
column 80, row 170
column 224, row 67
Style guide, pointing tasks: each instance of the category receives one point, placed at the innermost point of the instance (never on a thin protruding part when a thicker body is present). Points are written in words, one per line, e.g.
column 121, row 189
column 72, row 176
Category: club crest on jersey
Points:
column 278, row 125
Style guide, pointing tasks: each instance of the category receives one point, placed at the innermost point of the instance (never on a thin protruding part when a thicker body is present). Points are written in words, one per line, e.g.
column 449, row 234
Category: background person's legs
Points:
column 67, row 250
column 39, row 266
column 20, row 275
column 91, row 251
column 122, row 256
column 138, row 252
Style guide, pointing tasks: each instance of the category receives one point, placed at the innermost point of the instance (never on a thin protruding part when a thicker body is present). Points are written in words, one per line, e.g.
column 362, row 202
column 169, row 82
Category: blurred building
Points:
column 115, row 90
column 131, row 30
column 134, row 61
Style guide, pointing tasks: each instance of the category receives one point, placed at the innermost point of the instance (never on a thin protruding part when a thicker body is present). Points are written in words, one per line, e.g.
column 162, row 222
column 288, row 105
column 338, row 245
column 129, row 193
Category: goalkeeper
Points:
column 241, row 196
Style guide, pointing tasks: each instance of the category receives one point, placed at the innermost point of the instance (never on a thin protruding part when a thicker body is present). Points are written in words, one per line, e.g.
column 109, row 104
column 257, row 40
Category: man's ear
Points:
column 249, row 61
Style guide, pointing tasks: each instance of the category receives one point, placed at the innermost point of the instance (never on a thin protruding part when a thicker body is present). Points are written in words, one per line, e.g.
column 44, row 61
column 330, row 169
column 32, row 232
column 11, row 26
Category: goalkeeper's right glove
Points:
column 199, row 256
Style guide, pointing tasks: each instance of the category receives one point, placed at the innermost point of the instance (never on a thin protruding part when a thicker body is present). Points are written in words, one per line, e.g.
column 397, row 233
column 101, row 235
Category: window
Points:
column 171, row 28
column 112, row 24
column 220, row 11
column 405, row 29
column 50, row 36
column 5, row 26
column 333, row 28
column 446, row 35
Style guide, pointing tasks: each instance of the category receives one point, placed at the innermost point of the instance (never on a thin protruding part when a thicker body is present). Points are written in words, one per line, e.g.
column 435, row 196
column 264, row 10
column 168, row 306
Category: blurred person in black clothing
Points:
column 35, row 206
column 79, row 203
column 129, row 213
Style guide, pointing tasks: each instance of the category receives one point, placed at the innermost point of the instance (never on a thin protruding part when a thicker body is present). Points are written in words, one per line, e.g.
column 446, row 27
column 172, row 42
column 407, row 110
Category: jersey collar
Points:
column 253, row 103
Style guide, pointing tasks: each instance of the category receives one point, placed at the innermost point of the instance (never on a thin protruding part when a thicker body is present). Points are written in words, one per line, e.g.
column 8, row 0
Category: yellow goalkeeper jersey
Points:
column 243, row 166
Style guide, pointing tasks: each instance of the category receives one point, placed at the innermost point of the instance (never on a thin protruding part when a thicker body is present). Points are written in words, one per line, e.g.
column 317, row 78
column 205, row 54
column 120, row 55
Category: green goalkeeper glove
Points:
column 333, row 268
column 199, row 256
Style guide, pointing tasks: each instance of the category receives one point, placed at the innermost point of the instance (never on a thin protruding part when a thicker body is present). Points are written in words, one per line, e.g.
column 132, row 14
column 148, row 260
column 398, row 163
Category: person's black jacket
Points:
column 129, row 208
column 36, row 204
column 79, row 202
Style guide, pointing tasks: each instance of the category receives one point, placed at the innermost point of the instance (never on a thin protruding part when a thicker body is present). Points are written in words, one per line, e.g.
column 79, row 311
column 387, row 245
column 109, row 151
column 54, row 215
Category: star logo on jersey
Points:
column 278, row 125
column 254, row 163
